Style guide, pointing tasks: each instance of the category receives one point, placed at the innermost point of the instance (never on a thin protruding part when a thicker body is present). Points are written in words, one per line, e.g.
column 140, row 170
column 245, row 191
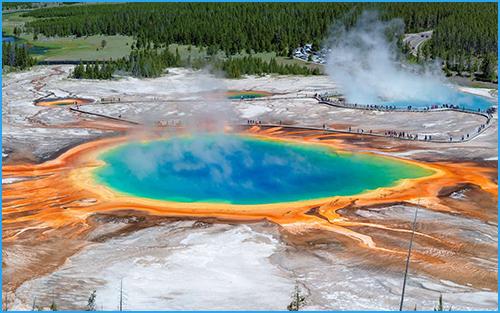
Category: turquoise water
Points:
column 246, row 96
column 38, row 50
column 462, row 100
column 244, row 170
column 9, row 39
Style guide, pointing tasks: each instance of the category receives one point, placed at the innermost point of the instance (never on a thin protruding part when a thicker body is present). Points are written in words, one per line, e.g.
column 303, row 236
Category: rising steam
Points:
column 366, row 63
column 208, row 112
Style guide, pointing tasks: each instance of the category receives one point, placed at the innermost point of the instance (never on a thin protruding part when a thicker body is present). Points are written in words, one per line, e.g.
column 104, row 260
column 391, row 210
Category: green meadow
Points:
column 68, row 48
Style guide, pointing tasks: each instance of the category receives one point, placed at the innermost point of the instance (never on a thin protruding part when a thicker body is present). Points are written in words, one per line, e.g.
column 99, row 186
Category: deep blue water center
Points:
column 244, row 170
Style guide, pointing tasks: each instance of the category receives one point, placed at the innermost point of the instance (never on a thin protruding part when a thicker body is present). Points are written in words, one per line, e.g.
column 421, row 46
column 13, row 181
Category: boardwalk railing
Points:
column 338, row 131
column 396, row 109
column 105, row 116
column 413, row 137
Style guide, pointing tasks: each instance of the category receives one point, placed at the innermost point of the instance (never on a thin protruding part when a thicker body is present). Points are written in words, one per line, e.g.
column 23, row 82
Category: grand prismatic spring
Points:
column 245, row 170
column 222, row 174
column 308, row 182
column 249, row 173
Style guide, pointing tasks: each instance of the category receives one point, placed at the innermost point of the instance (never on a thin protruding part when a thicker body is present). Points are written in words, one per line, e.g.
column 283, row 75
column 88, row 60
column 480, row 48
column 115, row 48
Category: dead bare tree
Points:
column 408, row 260
column 121, row 295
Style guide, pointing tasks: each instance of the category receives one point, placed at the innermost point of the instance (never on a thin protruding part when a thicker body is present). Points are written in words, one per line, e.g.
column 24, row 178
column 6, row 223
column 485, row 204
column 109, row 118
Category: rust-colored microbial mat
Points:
column 55, row 102
column 52, row 204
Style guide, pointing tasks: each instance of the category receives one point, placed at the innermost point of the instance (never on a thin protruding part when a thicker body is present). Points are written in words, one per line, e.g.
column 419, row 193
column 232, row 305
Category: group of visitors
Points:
column 255, row 122
column 481, row 127
column 380, row 107
column 168, row 123
column 390, row 133
column 361, row 131
column 404, row 135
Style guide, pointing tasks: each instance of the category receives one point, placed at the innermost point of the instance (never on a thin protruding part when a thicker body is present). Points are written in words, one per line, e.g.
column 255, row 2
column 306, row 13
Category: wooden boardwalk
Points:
column 105, row 116
column 331, row 130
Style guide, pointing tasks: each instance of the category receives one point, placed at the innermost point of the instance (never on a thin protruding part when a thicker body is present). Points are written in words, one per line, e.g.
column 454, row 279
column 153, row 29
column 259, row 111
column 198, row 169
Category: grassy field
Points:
column 89, row 48
column 84, row 48
column 68, row 48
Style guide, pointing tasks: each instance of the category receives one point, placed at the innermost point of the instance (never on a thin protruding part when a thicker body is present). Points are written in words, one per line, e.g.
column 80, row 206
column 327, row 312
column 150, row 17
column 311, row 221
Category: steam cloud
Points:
column 208, row 108
column 184, row 156
column 205, row 113
column 365, row 62
column 207, row 150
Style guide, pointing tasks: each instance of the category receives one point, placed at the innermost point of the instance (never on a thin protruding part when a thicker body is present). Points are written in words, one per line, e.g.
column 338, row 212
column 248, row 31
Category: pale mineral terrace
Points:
column 168, row 263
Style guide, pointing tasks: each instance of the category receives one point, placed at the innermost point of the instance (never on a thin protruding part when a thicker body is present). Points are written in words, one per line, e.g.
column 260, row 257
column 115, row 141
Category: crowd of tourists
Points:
column 388, row 107
column 388, row 133
column 255, row 122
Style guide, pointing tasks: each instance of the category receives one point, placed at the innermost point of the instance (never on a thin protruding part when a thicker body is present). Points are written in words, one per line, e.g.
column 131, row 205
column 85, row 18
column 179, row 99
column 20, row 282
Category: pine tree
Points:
column 91, row 304
column 53, row 306
column 17, row 31
column 177, row 57
column 96, row 74
column 88, row 71
column 298, row 300
column 17, row 56
column 440, row 305
column 488, row 67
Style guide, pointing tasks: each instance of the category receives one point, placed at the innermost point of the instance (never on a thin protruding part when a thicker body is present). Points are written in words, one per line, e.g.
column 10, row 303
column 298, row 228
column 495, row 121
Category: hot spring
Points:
column 55, row 102
column 461, row 100
column 247, row 94
column 244, row 170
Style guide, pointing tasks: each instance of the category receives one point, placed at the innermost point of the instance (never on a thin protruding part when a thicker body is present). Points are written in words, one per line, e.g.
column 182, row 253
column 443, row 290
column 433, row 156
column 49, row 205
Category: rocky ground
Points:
column 185, row 96
column 186, row 264
column 180, row 265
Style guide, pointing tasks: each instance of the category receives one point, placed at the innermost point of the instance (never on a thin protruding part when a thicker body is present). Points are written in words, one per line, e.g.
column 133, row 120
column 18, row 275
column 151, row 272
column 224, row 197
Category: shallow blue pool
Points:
column 464, row 101
column 9, row 39
column 244, row 170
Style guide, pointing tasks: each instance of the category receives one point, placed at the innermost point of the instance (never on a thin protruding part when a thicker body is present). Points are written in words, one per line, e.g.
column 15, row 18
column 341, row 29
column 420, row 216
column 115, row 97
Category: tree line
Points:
column 249, row 65
column 148, row 62
column 144, row 63
column 94, row 70
column 16, row 56
column 459, row 28
column 152, row 63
